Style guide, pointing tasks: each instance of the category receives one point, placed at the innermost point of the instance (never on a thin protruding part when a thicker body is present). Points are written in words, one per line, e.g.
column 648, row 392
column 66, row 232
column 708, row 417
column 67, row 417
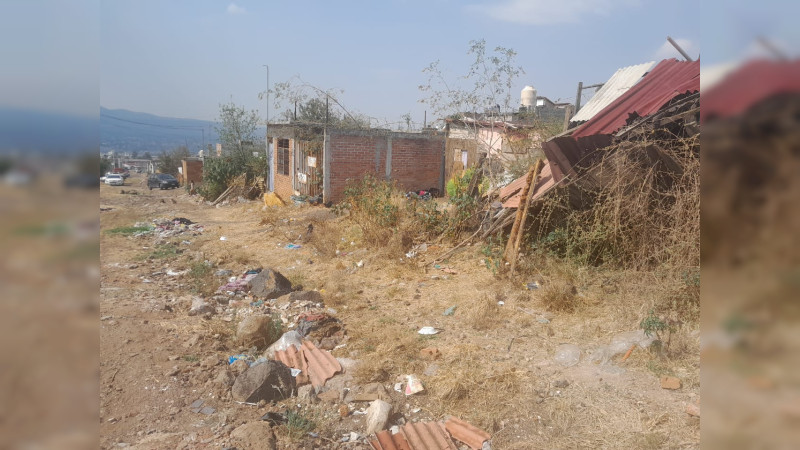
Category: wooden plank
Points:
column 525, row 207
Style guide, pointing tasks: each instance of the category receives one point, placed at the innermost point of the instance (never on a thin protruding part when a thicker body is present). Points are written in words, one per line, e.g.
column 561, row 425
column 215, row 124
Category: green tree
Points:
column 134, row 154
column 237, row 129
column 169, row 161
column 147, row 156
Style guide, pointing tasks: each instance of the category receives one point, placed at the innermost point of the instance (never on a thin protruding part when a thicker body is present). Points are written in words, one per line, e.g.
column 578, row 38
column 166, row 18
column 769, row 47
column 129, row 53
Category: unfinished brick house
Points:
column 310, row 160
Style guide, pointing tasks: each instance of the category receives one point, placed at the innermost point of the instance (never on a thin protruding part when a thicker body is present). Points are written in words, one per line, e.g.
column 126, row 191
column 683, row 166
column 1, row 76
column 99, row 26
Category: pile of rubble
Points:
column 272, row 364
column 164, row 228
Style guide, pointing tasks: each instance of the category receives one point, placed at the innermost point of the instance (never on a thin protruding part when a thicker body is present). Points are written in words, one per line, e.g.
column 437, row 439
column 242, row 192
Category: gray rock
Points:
column 269, row 284
column 307, row 395
column 256, row 331
column 378, row 416
column 254, row 435
column 200, row 307
column 225, row 378
column 268, row 381
column 305, row 296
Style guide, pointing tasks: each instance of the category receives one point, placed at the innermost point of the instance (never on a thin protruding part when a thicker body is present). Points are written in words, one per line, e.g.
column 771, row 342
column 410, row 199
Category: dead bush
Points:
column 325, row 238
column 558, row 295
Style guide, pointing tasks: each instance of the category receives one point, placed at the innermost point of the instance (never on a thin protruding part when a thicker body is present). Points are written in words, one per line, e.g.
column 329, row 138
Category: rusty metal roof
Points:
column 466, row 433
column 669, row 79
column 746, row 86
column 619, row 83
column 316, row 365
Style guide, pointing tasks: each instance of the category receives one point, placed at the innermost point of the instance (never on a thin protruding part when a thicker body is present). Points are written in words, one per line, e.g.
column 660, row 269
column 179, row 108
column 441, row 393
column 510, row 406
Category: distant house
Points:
column 550, row 111
column 469, row 141
column 310, row 160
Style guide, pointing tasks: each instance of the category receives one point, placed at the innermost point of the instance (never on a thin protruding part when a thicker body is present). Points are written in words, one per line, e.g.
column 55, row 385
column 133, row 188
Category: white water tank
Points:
column 528, row 97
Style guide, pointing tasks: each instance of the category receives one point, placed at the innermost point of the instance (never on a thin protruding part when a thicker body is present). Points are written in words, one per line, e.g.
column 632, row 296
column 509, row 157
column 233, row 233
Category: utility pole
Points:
column 679, row 49
column 581, row 87
column 270, row 159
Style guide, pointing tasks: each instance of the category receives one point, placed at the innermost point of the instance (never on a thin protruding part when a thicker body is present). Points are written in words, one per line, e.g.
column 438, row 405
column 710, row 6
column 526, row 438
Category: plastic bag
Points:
column 288, row 338
column 567, row 355
column 620, row 344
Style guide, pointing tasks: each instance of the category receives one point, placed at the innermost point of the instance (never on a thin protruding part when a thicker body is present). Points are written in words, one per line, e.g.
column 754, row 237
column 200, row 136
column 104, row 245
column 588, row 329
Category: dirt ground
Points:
column 496, row 370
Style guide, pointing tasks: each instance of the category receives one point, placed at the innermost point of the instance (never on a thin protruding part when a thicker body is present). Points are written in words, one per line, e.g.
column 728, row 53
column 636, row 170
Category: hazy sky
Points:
column 182, row 58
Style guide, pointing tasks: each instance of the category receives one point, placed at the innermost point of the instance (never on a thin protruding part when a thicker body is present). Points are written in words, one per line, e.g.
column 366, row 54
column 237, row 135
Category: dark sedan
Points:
column 162, row 181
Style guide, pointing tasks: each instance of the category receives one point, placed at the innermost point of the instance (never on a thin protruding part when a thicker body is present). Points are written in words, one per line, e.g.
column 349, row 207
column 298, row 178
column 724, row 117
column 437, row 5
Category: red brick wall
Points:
column 416, row 159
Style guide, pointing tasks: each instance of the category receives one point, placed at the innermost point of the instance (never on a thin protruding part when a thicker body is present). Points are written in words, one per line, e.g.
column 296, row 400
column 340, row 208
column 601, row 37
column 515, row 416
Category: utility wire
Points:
column 173, row 127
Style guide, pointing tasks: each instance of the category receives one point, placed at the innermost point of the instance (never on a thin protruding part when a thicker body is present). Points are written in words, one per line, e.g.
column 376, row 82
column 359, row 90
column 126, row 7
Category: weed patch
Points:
column 126, row 231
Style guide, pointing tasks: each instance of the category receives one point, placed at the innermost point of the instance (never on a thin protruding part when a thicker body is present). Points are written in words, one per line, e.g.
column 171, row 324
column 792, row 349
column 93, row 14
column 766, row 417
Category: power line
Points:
column 173, row 127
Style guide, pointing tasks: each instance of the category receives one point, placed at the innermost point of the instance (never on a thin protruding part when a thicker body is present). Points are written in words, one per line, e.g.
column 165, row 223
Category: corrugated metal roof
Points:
column 316, row 365
column 466, row 433
column 753, row 82
column 619, row 83
column 669, row 79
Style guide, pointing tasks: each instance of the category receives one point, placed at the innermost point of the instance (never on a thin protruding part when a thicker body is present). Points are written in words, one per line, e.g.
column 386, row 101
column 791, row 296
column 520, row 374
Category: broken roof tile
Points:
column 428, row 435
column 466, row 433
column 294, row 359
column 321, row 364
column 388, row 441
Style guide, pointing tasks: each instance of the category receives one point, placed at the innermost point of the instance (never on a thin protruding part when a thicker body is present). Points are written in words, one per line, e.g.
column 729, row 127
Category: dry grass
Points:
column 484, row 313
column 327, row 238
column 558, row 295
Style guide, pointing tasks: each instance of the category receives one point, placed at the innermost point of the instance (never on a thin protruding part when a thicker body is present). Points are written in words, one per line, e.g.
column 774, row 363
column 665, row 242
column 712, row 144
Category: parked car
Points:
column 115, row 179
column 125, row 173
column 162, row 181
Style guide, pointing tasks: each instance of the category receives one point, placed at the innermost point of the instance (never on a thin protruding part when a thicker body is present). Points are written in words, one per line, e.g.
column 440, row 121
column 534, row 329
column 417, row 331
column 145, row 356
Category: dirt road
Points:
column 495, row 370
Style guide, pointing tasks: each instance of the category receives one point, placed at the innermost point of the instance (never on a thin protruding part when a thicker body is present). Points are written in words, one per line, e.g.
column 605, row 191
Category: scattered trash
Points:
column 234, row 358
column 223, row 273
column 428, row 330
column 223, row 238
column 398, row 387
column 257, row 303
column 413, row 385
column 532, row 286
column 175, row 273
column 501, row 303
column 567, row 355
column 240, row 284
column 542, row 320
column 450, row 311
column 293, row 338
column 449, row 270
column 295, row 372
column 197, row 407
column 360, row 264
column 416, row 250
column 293, row 246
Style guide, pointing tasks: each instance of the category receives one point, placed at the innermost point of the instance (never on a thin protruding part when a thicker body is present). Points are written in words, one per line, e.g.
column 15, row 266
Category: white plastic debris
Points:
column 567, row 355
column 428, row 330
column 223, row 238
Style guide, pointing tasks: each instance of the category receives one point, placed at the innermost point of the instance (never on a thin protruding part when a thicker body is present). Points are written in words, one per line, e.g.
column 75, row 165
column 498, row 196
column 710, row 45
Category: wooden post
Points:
column 514, row 241
column 523, row 198
column 578, row 97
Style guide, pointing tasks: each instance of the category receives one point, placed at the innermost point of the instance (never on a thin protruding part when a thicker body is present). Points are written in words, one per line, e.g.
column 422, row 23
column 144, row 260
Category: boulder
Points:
column 200, row 307
column 378, row 416
column 256, row 330
column 254, row 435
column 306, row 394
column 269, row 284
column 267, row 381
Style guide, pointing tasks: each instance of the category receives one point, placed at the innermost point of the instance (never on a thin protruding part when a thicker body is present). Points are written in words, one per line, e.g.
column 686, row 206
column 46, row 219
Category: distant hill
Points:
column 124, row 130
column 46, row 132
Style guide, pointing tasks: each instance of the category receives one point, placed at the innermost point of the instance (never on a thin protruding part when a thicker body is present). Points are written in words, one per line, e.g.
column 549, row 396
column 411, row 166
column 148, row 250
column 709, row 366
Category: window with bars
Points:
column 283, row 156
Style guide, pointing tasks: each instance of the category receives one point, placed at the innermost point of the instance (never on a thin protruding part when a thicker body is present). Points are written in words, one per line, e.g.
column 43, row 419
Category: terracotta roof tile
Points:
column 321, row 364
column 317, row 366
column 428, row 435
column 388, row 441
column 466, row 433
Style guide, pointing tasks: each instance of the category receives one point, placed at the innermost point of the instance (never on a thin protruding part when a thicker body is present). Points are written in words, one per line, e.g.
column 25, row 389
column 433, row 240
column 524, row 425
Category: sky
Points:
column 183, row 58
